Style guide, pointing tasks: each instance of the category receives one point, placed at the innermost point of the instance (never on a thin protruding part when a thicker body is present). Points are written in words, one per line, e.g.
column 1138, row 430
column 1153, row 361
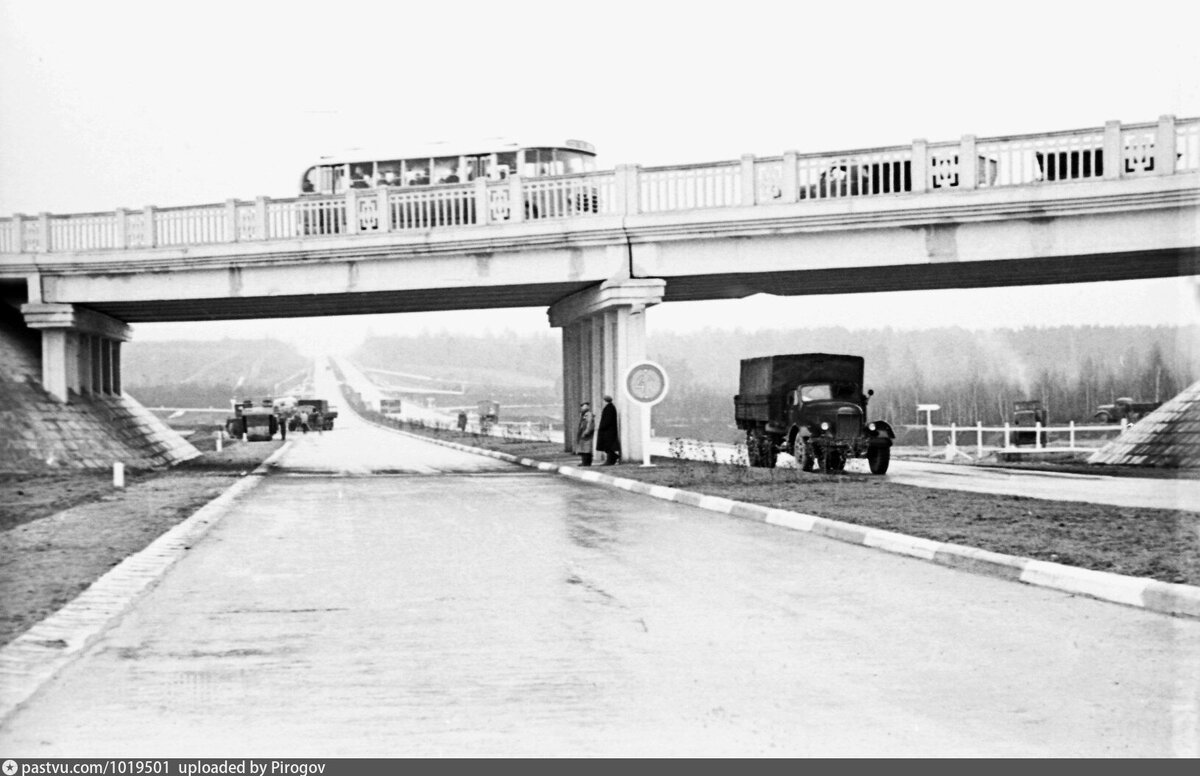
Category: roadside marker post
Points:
column 646, row 385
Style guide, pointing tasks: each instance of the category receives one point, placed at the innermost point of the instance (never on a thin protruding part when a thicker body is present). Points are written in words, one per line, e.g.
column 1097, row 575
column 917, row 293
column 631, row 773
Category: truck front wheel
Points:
column 878, row 459
column 804, row 455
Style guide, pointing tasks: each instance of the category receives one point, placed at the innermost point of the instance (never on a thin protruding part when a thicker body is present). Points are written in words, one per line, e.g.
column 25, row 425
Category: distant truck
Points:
column 312, row 406
column 1125, row 409
column 811, row 406
column 489, row 411
column 1027, row 415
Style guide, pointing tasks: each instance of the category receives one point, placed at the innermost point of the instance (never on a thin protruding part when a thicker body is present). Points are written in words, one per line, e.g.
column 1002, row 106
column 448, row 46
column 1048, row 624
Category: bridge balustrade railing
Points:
column 689, row 187
column 1161, row 148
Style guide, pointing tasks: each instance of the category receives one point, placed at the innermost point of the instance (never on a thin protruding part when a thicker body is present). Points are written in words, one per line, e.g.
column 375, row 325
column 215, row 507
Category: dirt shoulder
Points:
column 61, row 532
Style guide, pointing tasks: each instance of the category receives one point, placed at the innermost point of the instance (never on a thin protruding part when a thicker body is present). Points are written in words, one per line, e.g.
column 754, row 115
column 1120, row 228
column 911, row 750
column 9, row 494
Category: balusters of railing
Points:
column 43, row 232
column 1164, row 146
column 149, row 233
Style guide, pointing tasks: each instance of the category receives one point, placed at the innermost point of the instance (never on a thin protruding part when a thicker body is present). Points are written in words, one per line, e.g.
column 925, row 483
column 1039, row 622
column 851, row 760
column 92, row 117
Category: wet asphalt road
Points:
column 381, row 596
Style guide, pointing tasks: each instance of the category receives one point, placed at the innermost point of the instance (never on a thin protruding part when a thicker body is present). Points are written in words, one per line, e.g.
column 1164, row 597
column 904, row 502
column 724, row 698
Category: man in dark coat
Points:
column 607, row 439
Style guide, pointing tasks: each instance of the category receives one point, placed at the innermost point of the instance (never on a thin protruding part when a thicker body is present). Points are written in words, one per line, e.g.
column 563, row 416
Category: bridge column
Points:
column 604, row 333
column 81, row 349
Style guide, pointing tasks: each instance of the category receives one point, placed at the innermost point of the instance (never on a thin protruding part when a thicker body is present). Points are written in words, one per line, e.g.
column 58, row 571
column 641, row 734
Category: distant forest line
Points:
column 974, row 376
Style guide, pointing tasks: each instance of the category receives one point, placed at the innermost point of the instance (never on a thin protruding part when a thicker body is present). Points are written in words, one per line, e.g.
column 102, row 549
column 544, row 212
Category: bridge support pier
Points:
column 81, row 349
column 604, row 333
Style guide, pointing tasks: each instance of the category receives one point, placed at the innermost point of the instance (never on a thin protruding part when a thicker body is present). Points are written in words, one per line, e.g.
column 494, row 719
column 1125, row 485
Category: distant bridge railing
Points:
column 1164, row 148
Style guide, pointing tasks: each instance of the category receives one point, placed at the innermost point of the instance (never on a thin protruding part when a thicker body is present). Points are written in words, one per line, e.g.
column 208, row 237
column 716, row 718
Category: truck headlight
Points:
column 824, row 425
column 870, row 427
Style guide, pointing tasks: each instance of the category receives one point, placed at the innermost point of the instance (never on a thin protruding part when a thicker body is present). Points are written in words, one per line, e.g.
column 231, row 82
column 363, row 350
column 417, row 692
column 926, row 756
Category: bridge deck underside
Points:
column 1015, row 272
column 979, row 274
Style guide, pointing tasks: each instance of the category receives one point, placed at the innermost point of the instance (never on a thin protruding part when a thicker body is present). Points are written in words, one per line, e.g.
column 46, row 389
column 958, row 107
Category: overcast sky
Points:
column 125, row 104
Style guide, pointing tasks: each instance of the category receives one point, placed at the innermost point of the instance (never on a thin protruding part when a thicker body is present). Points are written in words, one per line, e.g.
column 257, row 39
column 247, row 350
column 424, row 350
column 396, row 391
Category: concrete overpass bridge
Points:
column 597, row 249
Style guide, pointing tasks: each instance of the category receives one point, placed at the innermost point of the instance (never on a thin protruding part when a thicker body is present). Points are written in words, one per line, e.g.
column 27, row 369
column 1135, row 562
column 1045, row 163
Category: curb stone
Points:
column 34, row 657
column 1141, row 592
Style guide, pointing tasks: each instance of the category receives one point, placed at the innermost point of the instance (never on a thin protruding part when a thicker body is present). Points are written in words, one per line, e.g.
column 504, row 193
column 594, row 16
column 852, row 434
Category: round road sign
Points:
column 646, row 382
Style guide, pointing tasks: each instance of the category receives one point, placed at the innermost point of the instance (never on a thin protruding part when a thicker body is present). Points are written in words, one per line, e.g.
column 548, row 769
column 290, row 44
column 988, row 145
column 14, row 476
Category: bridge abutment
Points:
column 81, row 349
column 604, row 333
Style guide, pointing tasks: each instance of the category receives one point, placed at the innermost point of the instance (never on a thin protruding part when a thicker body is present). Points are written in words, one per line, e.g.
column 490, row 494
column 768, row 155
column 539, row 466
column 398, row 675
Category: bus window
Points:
column 445, row 169
column 390, row 173
column 477, row 166
column 339, row 179
column 532, row 167
column 418, row 172
column 552, row 161
column 506, row 164
column 307, row 185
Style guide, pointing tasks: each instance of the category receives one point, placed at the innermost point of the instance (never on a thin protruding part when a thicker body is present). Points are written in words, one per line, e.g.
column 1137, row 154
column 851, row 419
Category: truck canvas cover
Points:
column 779, row 374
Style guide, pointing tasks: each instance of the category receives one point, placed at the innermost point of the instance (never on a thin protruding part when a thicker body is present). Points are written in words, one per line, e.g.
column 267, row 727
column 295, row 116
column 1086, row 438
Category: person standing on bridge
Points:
column 585, row 433
column 607, row 439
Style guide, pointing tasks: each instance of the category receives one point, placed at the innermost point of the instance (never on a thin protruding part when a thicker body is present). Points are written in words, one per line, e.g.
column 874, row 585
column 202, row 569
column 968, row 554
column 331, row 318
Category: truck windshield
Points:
column 818, row 392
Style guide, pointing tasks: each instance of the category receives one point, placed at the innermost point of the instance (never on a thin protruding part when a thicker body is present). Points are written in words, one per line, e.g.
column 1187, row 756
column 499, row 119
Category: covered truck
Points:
column 811, row 406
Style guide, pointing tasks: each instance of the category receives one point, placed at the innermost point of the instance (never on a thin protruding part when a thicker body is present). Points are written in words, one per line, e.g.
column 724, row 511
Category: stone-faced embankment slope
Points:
column 38, row 433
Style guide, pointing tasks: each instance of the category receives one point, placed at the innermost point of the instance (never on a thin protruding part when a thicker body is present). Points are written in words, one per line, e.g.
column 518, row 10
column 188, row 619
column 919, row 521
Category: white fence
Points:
column 1110, row 152
column 1016, row 438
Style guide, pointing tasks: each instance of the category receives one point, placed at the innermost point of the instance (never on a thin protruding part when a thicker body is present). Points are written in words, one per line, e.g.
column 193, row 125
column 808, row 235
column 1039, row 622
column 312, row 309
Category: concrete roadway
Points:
column 381, row 596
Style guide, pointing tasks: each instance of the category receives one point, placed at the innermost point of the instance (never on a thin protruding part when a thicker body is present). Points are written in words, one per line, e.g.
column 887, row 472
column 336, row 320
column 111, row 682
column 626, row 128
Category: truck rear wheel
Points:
column 878, row 459
column 769, row 452
column 752, row 449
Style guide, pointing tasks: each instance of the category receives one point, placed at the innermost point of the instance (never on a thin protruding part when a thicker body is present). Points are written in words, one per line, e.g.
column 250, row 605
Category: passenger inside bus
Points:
column 418, row 177
column 359, row 179
column 444, row 169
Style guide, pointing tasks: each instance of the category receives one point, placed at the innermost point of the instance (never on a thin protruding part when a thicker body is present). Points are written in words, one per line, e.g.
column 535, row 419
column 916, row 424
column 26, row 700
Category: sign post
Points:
column 929, row 409
column 646, row 385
